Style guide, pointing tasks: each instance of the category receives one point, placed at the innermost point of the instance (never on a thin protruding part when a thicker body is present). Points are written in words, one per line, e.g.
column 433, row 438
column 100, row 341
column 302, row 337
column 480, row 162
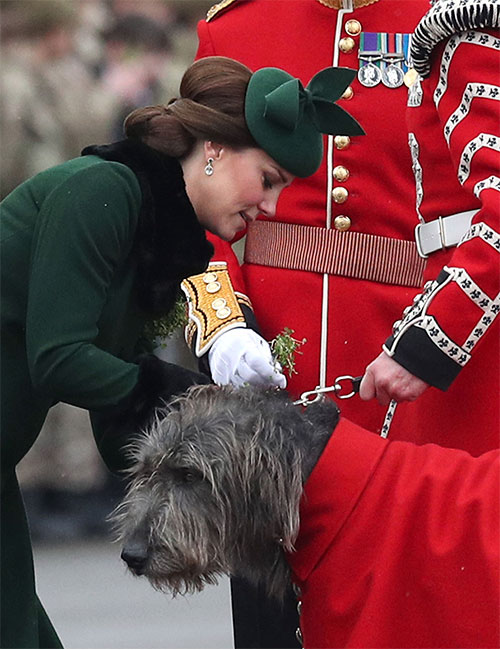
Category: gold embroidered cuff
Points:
column 213, row 307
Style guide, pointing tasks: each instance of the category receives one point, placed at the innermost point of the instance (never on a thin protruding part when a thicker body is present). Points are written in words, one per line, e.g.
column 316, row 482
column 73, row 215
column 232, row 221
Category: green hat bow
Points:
column 287, row 120
column 286, row 104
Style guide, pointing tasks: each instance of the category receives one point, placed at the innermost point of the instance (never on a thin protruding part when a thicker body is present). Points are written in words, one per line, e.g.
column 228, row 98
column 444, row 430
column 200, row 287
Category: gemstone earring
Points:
column 209, row 169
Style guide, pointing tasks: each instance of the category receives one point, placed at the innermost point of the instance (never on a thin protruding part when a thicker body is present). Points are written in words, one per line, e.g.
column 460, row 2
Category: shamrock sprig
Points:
column 284, row 347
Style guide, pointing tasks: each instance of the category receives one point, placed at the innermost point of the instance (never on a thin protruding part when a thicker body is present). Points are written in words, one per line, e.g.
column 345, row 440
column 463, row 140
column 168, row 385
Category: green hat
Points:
column 287, row 120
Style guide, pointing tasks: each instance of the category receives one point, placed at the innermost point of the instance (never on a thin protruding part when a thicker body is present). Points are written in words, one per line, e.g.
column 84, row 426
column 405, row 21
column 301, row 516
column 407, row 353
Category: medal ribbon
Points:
column 370, row 42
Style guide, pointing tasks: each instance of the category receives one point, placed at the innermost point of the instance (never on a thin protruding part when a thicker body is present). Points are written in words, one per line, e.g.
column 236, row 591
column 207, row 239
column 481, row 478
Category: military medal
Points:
column 392, row 74
column 394, row 59
column 369, row 74
column 411, row 75
column 383, row 57
column 370, row 56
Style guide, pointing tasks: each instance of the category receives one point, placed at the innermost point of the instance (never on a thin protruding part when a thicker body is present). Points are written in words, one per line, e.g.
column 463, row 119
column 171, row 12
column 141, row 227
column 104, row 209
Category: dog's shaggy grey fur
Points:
column 215, row 487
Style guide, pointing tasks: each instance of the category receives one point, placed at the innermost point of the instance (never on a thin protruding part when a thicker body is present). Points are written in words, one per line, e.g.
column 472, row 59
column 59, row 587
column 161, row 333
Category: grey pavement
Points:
column 94, row 603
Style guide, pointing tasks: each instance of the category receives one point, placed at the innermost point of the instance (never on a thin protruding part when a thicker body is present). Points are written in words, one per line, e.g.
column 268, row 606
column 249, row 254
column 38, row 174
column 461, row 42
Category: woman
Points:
column 94, row 248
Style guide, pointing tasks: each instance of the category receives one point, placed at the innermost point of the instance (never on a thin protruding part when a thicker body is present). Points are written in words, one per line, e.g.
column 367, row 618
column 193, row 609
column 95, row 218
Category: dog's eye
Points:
column 189, row 475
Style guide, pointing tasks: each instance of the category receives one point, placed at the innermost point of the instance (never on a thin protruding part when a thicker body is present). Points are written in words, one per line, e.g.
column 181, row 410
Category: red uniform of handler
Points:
column 450, row 337
column 344, row 237
column 398, row 546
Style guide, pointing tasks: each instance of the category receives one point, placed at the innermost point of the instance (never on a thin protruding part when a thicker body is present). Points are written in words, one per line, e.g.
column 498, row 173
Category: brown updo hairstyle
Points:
column 211, row 107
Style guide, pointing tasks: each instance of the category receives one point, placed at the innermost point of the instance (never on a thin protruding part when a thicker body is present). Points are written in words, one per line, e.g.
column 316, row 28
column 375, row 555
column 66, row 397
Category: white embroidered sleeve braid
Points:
column 437, row 336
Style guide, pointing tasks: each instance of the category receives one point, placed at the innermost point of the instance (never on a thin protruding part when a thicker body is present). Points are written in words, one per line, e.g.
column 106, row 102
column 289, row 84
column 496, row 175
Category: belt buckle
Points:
column 442, row 235
column 417, row 241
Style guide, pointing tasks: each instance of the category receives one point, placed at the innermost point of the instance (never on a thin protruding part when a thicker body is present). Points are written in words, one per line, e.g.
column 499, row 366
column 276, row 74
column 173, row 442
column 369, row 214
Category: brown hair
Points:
column 211, row 107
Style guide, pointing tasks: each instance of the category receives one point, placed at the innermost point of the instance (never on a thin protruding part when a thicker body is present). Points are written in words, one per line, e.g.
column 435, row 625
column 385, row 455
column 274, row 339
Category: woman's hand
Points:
column 386, row 380
column 240, row 356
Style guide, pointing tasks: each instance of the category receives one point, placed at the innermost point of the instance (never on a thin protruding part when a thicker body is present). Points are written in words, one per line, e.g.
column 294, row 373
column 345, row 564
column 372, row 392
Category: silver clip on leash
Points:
column 312, row 396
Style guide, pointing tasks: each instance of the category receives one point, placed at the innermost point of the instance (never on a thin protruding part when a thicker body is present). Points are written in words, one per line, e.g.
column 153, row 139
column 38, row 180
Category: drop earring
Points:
column 209, row 169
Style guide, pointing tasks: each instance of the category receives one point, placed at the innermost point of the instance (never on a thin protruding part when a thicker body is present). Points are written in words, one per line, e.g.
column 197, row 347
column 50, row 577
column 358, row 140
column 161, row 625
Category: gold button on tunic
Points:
column 340, row 173
column 347, row 44
column 342, row 141
column 340, row 194
column 353, row 27
column 342, row 222
column 348, row 93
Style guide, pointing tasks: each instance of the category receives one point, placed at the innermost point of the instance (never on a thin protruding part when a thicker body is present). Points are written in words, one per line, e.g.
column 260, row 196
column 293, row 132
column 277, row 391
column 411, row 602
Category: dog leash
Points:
column 351, row 385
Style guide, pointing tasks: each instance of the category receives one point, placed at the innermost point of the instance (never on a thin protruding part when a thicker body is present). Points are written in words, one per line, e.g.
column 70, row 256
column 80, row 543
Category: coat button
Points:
column 340, row 173
column 209, row 277
column 298, row 634
column 346, row 44
column 342, row 141
column 348, row 93
column 342, row 222
column 353, row 27
column 219, row 303
column 223, row 312
column 340, row 194
column 213, row 287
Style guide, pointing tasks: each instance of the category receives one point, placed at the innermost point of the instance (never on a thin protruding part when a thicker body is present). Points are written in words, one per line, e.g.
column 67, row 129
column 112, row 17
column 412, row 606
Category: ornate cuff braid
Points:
column 213, row 307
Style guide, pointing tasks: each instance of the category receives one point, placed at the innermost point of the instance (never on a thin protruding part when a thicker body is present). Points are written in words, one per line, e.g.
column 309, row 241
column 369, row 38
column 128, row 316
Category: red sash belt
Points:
column 321, row 250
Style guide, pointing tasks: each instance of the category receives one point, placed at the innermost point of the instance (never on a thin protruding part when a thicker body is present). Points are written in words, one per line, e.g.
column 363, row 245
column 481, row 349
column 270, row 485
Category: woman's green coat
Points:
column 90, row 250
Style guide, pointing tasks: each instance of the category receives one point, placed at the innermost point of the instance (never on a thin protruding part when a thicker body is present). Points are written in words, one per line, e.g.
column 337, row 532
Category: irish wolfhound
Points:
column 215, row 487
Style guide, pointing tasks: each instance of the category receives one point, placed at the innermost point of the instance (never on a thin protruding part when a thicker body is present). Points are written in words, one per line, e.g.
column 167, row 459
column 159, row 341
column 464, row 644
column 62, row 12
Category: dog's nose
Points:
column 136, row 556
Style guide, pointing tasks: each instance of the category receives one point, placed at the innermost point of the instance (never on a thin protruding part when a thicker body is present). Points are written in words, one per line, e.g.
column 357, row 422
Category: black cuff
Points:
column 420, row 356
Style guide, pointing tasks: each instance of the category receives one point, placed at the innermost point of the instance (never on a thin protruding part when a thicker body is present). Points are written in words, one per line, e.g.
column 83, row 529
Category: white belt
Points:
column 443, row 232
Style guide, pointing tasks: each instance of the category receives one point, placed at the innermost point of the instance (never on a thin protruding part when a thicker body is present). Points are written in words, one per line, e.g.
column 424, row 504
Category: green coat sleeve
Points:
column 84, row 233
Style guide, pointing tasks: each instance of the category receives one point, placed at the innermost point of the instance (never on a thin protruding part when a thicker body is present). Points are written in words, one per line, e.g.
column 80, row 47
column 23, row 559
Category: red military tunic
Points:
column 343, row 315
column 450, row 338
column 398, row 546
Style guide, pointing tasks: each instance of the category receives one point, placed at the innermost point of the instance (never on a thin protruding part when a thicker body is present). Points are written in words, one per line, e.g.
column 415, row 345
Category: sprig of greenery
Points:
column 162, row 328
column 285, row 347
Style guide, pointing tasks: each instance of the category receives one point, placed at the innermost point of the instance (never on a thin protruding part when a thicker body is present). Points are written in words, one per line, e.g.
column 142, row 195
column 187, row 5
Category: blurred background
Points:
column 70, row 71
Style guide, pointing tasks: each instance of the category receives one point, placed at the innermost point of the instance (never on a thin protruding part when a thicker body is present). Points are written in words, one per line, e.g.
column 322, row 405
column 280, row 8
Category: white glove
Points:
column 240, row 356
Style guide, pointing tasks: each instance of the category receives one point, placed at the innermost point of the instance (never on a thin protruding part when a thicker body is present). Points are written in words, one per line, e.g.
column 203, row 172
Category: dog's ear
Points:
column 323, row 415
column 322, row 418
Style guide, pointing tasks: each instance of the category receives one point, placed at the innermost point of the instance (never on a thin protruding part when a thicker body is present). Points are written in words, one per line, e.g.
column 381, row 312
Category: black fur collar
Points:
column 170, row 244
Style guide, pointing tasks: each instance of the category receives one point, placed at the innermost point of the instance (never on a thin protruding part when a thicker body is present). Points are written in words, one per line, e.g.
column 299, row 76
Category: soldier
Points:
column 448, row 340
column 356, row 212
column 338, row 261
